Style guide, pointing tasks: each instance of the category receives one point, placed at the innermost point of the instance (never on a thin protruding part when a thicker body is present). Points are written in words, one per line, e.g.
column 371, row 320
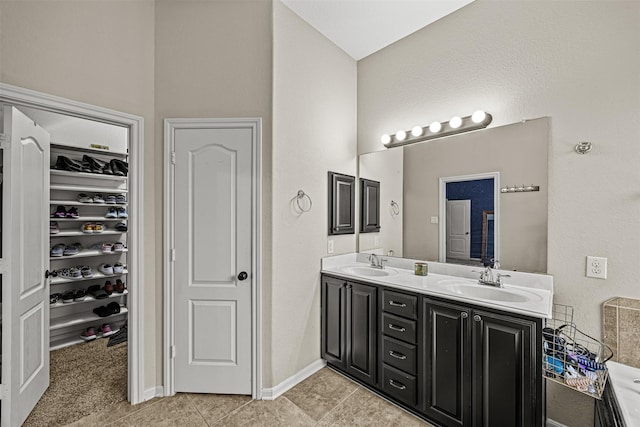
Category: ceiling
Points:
column 362, row 27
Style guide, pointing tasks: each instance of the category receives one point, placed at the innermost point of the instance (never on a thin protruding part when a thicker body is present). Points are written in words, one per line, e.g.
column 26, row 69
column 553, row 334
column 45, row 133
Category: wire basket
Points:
column 571, row 357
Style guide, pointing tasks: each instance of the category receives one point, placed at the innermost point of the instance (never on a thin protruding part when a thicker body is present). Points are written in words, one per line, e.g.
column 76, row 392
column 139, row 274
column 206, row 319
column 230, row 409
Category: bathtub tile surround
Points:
column 621, row 318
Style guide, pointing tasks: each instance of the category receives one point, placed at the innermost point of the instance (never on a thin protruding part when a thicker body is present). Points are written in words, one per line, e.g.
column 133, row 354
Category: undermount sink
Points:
column 369, row 271
column 492, row 294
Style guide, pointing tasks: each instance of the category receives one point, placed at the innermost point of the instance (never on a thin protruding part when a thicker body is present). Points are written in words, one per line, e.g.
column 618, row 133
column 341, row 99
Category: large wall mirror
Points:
column 441, row 200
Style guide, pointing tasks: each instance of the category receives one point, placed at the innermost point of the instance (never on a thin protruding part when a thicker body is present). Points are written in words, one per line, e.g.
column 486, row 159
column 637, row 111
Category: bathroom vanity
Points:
column 449, row 350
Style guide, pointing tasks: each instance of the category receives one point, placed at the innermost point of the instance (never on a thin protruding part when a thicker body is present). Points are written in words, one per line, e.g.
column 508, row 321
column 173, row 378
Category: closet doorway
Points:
column 67, row 182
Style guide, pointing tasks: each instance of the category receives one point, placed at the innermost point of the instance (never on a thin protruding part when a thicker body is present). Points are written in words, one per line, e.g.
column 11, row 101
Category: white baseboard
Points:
column 152, row 392
column 552, row 423
column 275, row 392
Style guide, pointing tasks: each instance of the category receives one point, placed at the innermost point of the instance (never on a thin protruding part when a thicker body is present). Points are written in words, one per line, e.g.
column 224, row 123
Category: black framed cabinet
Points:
column 342, row 204
column 349, row 339
column 451, row 363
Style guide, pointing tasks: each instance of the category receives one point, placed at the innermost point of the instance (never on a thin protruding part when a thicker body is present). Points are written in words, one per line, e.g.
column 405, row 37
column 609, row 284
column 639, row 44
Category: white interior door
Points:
column 25, row 338
column 459, row 229
column 212, row 223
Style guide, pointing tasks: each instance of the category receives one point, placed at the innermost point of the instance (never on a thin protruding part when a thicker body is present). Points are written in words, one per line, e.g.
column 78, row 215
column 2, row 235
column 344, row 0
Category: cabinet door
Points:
column 447, row 365
column 333, row 302
column 504, row 390
column 362, row 331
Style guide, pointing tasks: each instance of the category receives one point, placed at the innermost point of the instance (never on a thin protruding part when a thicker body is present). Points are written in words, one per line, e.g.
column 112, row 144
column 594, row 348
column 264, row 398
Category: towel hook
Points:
column 395, row 208
column 301, row 196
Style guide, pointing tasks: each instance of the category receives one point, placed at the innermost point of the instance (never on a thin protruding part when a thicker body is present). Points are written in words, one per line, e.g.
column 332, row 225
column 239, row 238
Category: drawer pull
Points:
column 397, row 355
column 396, row 328
column 397, row 304
column 399, row 386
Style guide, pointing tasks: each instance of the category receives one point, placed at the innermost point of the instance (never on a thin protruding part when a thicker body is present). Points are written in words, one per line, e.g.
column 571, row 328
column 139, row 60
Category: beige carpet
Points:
column 85, row 378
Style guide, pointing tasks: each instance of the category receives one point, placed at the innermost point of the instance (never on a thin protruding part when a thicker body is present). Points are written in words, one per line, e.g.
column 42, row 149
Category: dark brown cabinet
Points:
column 451, row 363
column 349, row 332
column 369, row 206
column 342, row 201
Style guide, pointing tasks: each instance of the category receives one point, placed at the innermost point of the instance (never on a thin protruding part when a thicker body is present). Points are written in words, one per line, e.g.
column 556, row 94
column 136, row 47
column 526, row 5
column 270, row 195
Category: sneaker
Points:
column 107, row 247
column 108, row 287
column 88, row 334
column 60, row 212
column 105, row 269
column 121, row 226
column 121, row 198
column 53, row 227
column 88, row 227
column 79, row 295
column 84, row 198
column 98, row 227
column 54, row 298
column 120, row 286
column 97, row 198
column 122, row 213
column 118, row 268
column 111, row 199
column 105, row 330
column 73, row 249
column 86, row 271
column 57, row 250
column 69, row 273
column 68, row 296
column 118, row 247
column 111, row 213
column 72, row 213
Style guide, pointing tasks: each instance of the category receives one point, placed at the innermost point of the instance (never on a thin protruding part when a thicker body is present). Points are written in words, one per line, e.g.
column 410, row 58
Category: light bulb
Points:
column 478, row 116
column 416, row 131
column 401, row 135
column 455, row 122
column 385, row 139
column 435, row 127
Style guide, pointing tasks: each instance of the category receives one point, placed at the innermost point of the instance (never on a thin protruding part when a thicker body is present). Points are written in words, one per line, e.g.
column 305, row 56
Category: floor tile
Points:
column 214, row 407
column 321, row 392
column 175, row 411
column 363, row 408
column 112, row 413
column 271, row 413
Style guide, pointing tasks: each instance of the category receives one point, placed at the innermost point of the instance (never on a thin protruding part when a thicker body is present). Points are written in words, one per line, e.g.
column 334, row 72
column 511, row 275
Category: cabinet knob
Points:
column 243, row 275
column 464, row 314
column 477, row 318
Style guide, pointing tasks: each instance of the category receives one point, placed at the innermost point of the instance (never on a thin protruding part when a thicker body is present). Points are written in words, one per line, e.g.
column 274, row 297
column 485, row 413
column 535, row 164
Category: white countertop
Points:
column 530, row 294
column 627, row 392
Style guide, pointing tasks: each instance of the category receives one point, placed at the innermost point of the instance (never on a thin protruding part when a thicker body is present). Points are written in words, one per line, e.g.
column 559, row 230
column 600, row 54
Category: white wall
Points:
column 314, row 132
column 577, row 62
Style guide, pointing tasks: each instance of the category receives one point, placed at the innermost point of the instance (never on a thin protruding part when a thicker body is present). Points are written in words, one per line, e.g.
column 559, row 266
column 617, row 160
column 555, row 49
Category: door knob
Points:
column 243, row 275
column 48, row 274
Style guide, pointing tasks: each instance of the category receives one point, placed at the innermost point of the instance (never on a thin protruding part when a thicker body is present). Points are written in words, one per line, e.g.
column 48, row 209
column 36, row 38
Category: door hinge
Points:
column 173, row 351
column 173, row 255
column 173, row 157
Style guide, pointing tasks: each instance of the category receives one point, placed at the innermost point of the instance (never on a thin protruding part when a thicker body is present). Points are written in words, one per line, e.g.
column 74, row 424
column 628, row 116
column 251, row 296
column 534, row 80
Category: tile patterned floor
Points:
column 324, row 399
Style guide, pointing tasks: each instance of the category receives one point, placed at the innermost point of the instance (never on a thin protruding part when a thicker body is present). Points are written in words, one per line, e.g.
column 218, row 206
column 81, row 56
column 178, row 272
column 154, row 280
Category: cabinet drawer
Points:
column 400, row 304
column 399, row 385
column 398, row 327
column 399, row 355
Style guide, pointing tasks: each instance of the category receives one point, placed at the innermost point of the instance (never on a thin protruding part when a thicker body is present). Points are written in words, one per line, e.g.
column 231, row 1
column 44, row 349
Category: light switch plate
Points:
column 329, row 246
column 434, row 220
column 597, row 267
column 376, row 241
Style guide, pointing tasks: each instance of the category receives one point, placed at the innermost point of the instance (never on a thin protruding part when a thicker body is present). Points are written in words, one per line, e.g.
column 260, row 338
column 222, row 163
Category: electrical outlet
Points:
column 376, row 241
column 329, row 246
column 434, row 220
column 597, row 267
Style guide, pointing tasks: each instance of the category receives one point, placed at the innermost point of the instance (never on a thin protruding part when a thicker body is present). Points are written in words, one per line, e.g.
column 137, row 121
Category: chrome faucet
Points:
column 376, row 262
column 487, row 275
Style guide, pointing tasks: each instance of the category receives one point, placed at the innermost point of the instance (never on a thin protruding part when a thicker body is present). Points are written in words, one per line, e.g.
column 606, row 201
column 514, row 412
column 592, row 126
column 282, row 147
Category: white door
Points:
column 459, row 229
column 212, row 221
column 25, row 321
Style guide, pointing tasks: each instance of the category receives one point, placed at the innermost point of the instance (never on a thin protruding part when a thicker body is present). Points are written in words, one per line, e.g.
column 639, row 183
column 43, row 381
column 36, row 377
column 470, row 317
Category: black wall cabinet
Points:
column 369, row 206
column 341, row 204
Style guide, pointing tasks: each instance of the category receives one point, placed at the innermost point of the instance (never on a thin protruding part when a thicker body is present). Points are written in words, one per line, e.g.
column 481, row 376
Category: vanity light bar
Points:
column 520, row 189
column 478, row 120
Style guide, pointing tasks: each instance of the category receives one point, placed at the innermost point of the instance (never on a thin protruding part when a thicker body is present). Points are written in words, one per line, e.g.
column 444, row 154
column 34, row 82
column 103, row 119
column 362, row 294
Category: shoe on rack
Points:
column 106, row 269
column 88, row 227
column 95, row 164
column 73, row 249
column 66, row 164
column 69, row 273
column 121, row 198
column 107, row 247
column 107, row 169
column 111, row 213
column 113, row 307
column 97, row 292
column 58, row 250
column 84, row 198
column 85, row 270
column 53, row 227
column 110, row 199
column 68, row 296
column 72, row 213
column 79, row 295
column 105, row 330
column 97, row 198
column 98, row 227
column 88, row 334
column 108, row 287
column 121, row 226
column 54, row 298
column 60, row 212
column 119, row 167
column 122, row 213
column 118, row 268
column 120, row 286
column 118, row 247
